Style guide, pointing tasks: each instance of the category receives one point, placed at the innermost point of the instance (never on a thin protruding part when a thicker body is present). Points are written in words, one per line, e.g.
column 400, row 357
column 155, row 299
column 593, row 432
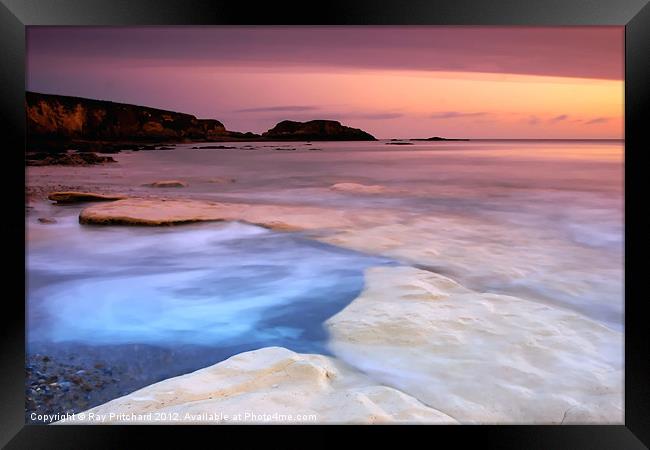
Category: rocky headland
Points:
column 59, row 123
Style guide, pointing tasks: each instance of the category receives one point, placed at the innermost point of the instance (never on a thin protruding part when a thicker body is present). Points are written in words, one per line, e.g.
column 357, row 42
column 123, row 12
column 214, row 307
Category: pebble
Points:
column 52, row 387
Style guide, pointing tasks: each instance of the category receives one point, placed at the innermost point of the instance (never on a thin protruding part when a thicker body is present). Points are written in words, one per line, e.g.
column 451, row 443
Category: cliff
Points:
column 315, row 130
column 53, row 119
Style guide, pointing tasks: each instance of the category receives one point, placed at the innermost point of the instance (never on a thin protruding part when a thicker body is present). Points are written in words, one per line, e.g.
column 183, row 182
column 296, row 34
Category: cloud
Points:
column 376, row 116
column 533, row 120
column 455, row 115
column 285, row 108
column 559, row 118
column 584, row 52
column 597, row 120
column 352, row 115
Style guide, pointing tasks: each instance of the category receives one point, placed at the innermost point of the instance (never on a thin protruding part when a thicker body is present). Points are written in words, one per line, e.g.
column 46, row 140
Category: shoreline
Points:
column 376, row 231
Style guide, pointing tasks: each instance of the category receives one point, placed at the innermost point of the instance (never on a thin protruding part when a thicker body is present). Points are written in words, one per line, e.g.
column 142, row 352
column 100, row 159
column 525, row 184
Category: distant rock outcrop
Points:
column 438, row 138
column 315, row 130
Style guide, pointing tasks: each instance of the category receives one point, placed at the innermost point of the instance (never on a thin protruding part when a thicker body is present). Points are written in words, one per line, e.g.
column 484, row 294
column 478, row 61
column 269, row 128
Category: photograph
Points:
column 311, row 224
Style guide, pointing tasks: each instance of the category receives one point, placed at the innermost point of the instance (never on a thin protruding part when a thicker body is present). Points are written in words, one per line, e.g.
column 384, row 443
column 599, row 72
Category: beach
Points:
column 441, row 282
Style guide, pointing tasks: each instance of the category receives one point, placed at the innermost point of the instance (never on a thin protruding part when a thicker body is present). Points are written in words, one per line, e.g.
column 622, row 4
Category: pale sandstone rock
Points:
column 74, row 197
column 270, row 381
column 445, row 242
column 480, row 358
column 358, row 188
column 138, row 211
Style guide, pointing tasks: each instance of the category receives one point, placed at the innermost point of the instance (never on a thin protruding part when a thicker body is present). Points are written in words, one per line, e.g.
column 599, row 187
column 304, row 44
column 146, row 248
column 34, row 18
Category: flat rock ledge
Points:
column 481, row 358
column 269, row 385
column 78, row 197
column 156, row 212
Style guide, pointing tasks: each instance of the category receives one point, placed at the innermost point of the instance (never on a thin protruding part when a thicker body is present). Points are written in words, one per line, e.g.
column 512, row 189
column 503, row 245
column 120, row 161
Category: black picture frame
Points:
column 15, row 15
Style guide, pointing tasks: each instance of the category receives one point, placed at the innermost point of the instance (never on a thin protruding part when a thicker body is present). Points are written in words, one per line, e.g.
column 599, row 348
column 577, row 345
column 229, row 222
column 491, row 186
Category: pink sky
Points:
column 476, row 82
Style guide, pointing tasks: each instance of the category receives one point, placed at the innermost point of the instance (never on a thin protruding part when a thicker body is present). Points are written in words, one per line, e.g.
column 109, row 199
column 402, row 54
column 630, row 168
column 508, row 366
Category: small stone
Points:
column 222, row 180
column 167, row 184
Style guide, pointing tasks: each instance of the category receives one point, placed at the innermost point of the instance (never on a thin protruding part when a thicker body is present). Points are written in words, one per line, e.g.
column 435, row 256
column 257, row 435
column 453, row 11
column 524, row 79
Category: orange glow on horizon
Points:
column 393, row 104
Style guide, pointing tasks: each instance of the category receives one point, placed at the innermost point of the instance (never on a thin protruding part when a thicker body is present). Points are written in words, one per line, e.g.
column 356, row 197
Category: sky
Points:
column 393, row 82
